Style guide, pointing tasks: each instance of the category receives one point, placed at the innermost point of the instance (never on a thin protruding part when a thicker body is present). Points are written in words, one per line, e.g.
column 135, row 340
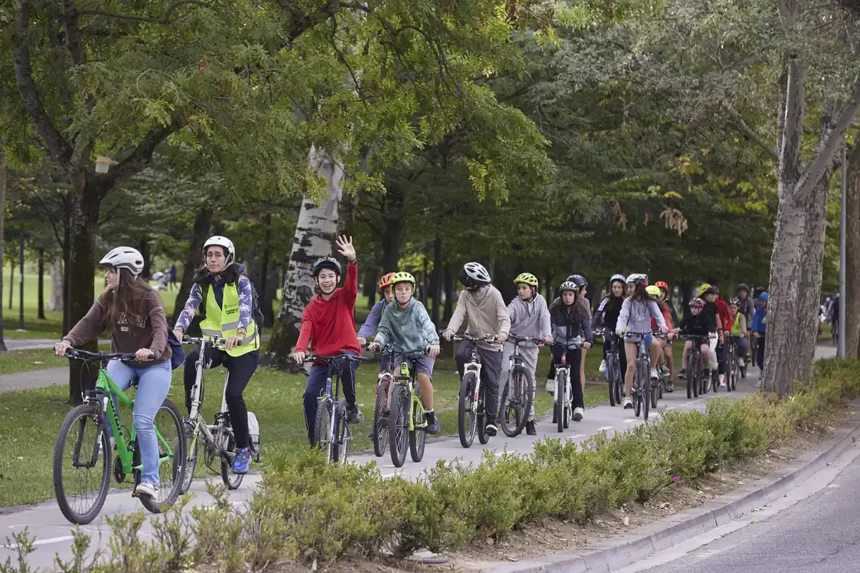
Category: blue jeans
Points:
column 153, row 385
column 316, row 388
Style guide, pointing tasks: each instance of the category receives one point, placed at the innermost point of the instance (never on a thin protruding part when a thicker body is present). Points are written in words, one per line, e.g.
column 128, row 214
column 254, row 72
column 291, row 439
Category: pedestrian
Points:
column 171, row 273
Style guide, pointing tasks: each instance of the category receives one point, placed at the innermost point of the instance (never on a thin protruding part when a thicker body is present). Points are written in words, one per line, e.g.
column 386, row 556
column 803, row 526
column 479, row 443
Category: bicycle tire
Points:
column 399, row 425
column 520, row 404
column 380, row 434
column 170, row 489
column 560, row 383
column 228, row 441
column 689, row 364
column 655, row 388
column 646, row 390
column 192, row 451
column 321, row 425
column 467, row 417
column 343, row 433
column 418, row 436
column 619, row 384
column 610, row 378
column 82, row 412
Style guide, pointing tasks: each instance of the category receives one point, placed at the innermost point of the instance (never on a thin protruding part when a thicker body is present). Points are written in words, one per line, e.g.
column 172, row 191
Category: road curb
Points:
column 674, row 529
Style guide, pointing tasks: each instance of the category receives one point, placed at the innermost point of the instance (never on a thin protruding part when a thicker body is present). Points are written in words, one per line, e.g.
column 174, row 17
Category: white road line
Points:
column 38, row 542
column 604, row 428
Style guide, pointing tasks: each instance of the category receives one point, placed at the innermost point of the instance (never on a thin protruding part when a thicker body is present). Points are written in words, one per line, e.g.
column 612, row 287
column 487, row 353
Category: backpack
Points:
column 178, row 356
column 256, row 309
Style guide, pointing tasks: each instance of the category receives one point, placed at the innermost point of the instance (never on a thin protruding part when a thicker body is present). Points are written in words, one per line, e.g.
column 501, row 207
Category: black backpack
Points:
column 256, row 309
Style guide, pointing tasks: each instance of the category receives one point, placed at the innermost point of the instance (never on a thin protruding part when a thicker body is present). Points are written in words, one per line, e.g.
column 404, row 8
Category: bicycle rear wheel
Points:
column 81, row 493
column 171, row 459
column 227, row 442
column 399, row 425
column 192, row 452
column 516, row 402
column 418, row 436
column 380, row 433
column 467, row 418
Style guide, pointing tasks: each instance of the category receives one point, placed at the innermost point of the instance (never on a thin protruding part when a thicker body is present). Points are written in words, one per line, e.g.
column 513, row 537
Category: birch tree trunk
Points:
column 55, row 298
column 316, row 230
column 852, row 246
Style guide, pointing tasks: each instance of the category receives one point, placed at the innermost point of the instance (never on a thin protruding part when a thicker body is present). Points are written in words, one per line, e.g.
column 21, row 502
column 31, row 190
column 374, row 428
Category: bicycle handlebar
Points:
column 216, row 342
column 394, row 351
column 341, row 356
column 486, row 338
column 78, row 354
column 527, row 339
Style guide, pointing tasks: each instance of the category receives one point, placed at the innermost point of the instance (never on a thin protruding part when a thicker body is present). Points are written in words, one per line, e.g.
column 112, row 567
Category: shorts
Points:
column 423, row 365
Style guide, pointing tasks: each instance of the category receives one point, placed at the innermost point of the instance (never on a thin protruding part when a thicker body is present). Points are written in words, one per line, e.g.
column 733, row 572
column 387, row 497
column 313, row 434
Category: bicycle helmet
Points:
column 662, row 285
column 653, row 290
column 474, row 275
column 715, row 289
column 637, row 279
column 735, row 302
column 385, row 281
column 402, row 277
column 526, row 278
column 326, row 263
column 743, row 286
column 578, row 280
column 697, row 303
column 703, row 290
column 124, row 258
column 618, row 278
column 226, row 244
column 763, row 297
column 568, row 286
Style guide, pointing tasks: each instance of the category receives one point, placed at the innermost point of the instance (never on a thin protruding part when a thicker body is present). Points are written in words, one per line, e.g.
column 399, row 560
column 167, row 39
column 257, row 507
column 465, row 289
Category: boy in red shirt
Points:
column 327, row 323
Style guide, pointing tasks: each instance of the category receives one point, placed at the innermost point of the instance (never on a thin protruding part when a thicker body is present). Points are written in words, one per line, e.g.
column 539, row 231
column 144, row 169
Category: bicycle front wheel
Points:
column 82, row 459
column 560, row 398
column 418, row 436
column 399, row 425
column 467, row 419
column 170, row 433
column 227, row 443
column 322, row 428
column 380, row 433
column 192, row 452
column 516, row 402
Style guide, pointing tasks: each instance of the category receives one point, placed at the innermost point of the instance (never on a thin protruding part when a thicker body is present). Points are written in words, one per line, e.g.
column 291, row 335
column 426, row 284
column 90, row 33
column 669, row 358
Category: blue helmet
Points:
column 326, row 263
column 763, row 297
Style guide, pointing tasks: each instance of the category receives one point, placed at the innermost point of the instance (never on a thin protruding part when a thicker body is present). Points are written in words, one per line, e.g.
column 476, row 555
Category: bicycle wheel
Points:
column 342, row 433
column 227, row 443
column 619, row 384
column 560, row 398
column 170, row 434
column 610, row 379
column 655, row 389
column 399, row 425
column 715, row 381
column 81, row 493
column 467, row 418
column 418, row 436
column 516, row 402
column 647, row 391
column 380, row 434
column 192, row 451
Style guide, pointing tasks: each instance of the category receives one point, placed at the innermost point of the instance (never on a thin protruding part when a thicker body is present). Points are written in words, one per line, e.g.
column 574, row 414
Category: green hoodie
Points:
column 409, row 329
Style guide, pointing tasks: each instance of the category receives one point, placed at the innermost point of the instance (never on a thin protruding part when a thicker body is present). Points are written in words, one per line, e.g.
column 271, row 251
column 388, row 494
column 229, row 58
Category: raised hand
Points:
column 345, row 247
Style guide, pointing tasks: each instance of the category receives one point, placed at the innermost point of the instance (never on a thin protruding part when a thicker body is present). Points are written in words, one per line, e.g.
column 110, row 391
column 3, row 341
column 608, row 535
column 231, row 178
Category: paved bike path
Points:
column 53, row 532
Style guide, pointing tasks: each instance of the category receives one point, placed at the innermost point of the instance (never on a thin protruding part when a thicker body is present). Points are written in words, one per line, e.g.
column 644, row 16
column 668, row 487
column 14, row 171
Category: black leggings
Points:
column 574, row 357
column 759, row 351
column 241, row 368
column 622, row 355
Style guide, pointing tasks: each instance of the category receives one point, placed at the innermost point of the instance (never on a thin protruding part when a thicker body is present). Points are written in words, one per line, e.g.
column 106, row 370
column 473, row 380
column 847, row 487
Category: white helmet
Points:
column 124, row 258
column 474, row 275
column 638, row 279
column 219, row 241
column 618, row 277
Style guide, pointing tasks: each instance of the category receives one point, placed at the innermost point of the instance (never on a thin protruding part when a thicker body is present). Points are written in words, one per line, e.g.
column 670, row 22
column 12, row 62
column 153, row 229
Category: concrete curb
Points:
column 674, row 529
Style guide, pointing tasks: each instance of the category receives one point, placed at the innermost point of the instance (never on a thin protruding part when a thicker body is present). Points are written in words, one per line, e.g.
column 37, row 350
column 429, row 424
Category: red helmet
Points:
column 662, row 285
column 697, row 303
column 385, row 281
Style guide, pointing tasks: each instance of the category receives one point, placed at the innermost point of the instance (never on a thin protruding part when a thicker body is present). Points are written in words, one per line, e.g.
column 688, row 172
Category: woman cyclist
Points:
column 133, row 313
column 570, row 323
column 607, row 315
column 224, row 294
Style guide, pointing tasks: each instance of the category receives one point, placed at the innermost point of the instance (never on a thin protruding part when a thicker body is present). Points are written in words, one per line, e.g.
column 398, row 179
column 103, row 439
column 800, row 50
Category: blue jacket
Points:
column 759, row 323
column 370, row 325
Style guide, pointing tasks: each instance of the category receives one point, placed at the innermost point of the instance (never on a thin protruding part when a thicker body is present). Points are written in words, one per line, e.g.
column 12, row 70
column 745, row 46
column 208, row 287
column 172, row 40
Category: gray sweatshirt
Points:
column 486, row 315
column 530, row 319
column 636, row 315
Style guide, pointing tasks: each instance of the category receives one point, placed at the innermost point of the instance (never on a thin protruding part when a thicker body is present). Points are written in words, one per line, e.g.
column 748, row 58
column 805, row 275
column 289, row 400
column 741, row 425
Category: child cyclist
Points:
column 634, row 321
column 482, row 307
column 571, row 321
column 607, row 315
column 371, row 323
column 665, row 343
column 529, row 319
column 408, row 327
column 697, row 324
column 327, row 324
column 738, row 332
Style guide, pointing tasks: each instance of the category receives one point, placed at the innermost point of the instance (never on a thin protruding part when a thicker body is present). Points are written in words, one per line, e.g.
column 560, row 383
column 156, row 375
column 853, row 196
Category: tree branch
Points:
column 138, row 159
column 58, row 148
column 748, row 131
column 164, row 20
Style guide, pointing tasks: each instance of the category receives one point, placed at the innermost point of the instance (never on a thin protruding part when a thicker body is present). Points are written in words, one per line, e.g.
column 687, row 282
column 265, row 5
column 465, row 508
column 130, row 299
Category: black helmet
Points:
column 326, row 263
column 578, row 280
column 742, row 286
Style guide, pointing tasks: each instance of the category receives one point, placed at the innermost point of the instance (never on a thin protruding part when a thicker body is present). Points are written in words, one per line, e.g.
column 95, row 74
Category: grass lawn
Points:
column 275, row 397
column 37, row 359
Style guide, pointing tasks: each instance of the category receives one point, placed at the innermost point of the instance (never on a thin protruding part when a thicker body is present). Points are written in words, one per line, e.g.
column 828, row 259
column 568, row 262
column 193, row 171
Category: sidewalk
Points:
column 34, row 379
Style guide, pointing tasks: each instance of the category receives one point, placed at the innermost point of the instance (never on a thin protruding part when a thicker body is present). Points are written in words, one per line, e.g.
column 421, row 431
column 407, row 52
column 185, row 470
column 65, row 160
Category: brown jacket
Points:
column 131, row 331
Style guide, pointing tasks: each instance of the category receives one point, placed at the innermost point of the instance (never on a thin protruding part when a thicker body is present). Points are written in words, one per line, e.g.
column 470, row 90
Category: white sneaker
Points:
column 602, row 368
column 146, row 489
column 740, row 363
column 654, row 374
column 577, row 414
column 550, row 385
column 722, row 380
column 628, row 403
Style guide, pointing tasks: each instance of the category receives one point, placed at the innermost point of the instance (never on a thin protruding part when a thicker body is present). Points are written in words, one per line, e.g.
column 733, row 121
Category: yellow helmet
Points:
column 526, row 278
column 653, row 290
column 703, row 290
column 402, row 277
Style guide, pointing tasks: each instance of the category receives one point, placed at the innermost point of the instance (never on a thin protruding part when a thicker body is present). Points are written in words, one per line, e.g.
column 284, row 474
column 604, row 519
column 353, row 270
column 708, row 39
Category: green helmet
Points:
column 526, row 278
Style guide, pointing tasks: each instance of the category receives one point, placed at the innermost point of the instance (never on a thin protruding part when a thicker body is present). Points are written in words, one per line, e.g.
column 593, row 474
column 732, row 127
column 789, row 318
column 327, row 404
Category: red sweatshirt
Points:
column 726, row 318
column 329, row 324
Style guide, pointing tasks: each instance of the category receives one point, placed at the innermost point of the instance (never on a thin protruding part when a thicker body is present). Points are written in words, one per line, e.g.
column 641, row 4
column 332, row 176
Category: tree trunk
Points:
column 193, row 259
column 11, row 281
column 55, row 299
column 392, row 237
column 316, row 231
column 852, row 263
column 267, row 286
column 41, row 271
column 438, row 278
column 2, row 230
column 67, row 257
column 450, row 278
column 369, row 287
column 85, row 213
column 143, row 247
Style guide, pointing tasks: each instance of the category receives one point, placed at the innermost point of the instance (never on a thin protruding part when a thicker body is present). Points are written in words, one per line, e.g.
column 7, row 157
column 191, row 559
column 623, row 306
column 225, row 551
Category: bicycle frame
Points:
column 195, row 414
column 409, row 379
column 474, row 365
column 567, row 395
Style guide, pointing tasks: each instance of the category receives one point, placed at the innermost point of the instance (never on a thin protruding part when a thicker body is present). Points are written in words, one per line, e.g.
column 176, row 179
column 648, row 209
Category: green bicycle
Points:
column 407, row 410
column 82, row 465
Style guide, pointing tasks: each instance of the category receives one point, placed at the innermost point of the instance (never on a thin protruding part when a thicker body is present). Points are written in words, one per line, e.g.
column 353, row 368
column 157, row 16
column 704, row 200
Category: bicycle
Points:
column 471, row 407
column 218, row 439
column 331, row 430
column 562, row 401
column 379, row 433
column 642, row 375
column 732, row 365
column 407, row 410
column 694, row 365
column 613, row 369
column 91, row 423
column 520, row 390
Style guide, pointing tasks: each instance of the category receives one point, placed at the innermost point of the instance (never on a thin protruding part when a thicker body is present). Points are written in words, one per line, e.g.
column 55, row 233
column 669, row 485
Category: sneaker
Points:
column 577, row 414
column 550, row 385
column 683, row 373
column 670, row 387
column 530, row 428
column 628, row 404
column 740, row 363
column 146, row 489
column 432, row 423
column 664, row 371
column 355, row 416
column 602, row 368
column 491, row 429
column 722, row 380
column 241, row 461
column 654, row 374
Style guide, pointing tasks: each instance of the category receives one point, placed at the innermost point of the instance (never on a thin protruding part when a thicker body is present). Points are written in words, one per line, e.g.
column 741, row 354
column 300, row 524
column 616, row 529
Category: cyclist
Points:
column 759, row 328
column 529, row 319
column 711, row 311
column 671, row 318
column 738, row 331
column 407, row 325
column 371, row 323
column 607, row 315
column 746, row 307
column 482, row 307
column 635, row 320
column 655, row 293
column 222, row 290
column 580, row 281
column 134, row 314
column 327, row 324
column 727, row 321
column 696, row 324
column 570, row 322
